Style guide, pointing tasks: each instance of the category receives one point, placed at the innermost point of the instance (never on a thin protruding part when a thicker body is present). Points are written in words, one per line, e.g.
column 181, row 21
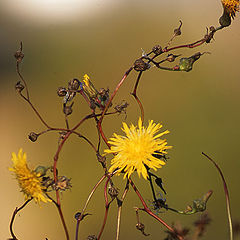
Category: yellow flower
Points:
column 138, row 149
column 29, row 181
column 231, row 7
column 88, row 87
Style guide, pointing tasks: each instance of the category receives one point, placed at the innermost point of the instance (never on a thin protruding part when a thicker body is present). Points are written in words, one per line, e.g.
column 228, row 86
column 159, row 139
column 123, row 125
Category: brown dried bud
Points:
column 19, row 87
column 212, row 29
column 19, row 55
column 121, row 107
column 140, row 65
column 67, row 110
column 177, row 31
column 104, row 96
column 113, row 192
column 92, row 104
column 157, row 49
column 33, row 136
column 141, row 227
column 74, row 84
column 61, row 92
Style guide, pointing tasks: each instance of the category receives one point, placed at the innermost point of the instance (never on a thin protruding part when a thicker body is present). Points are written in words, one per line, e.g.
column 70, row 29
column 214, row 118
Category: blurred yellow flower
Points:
column 29, row 181
column 231, row 7
column 138, row 149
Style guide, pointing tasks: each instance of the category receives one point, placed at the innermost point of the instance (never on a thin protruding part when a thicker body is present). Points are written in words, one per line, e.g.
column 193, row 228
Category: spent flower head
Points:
column 135, row 150
column 29, row 181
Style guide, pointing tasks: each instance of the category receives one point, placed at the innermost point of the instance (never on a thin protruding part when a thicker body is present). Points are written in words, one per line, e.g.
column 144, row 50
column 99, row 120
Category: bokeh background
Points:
column 66, row 39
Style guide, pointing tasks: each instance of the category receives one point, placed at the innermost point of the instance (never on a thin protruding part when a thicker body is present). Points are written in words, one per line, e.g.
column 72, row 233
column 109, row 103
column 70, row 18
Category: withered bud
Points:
column 78, row 216
column 67, row 110
column 157, row 49
column 225, row 19
column 121, row 107
column 141, row 227
column 140, row 65
column 171, row 57
column 177, row 31
column 212, row 29
column 19, row 55
column 19, row 87
column 33, row 136
column 61, row 92
column 92, row 104
column 113, row 192
column 103, row 96
column 74, row 84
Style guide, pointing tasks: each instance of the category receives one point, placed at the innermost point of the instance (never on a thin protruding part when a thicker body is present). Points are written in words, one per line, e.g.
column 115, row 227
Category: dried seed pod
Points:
column 67, row 110
column 19, row 55
column 62, row 91
column 140, row 65
column 33, row 136
column 113, row 192
column 74, row 84
column 157, row 49
column 19, row 87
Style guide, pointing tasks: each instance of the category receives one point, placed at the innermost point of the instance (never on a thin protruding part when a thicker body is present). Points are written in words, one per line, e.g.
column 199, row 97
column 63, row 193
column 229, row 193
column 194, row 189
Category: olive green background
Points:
column 200, row 108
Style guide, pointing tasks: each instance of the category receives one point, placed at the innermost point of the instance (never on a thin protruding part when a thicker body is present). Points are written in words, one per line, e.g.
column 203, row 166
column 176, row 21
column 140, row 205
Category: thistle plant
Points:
column 141, row 150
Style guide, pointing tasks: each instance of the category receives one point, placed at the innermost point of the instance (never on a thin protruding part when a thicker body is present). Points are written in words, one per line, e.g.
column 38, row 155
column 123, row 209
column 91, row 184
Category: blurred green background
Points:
column 66, row 39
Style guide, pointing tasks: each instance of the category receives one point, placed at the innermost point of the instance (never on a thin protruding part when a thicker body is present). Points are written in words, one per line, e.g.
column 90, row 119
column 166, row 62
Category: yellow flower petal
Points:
column 135, row 150
column 29, row 181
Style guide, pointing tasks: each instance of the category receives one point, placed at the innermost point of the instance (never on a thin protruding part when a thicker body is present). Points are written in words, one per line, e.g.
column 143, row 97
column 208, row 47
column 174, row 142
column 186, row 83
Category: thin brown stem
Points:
column 226, row 194
column 19, row 72
column 14, row 215
column 86, row 204
column 66, row 121
column 35, row 110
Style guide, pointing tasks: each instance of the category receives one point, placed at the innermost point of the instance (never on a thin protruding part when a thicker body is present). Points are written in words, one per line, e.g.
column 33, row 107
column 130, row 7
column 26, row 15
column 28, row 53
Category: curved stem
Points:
column 134, row 93
column 107, row 204
column 14, row 215
column 35, row 110
column 226, row 195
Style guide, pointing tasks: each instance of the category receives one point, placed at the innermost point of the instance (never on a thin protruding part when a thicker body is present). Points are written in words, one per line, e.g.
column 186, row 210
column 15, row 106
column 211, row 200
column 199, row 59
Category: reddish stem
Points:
column 108, row 104
column 107, row 204
column 148, row 211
